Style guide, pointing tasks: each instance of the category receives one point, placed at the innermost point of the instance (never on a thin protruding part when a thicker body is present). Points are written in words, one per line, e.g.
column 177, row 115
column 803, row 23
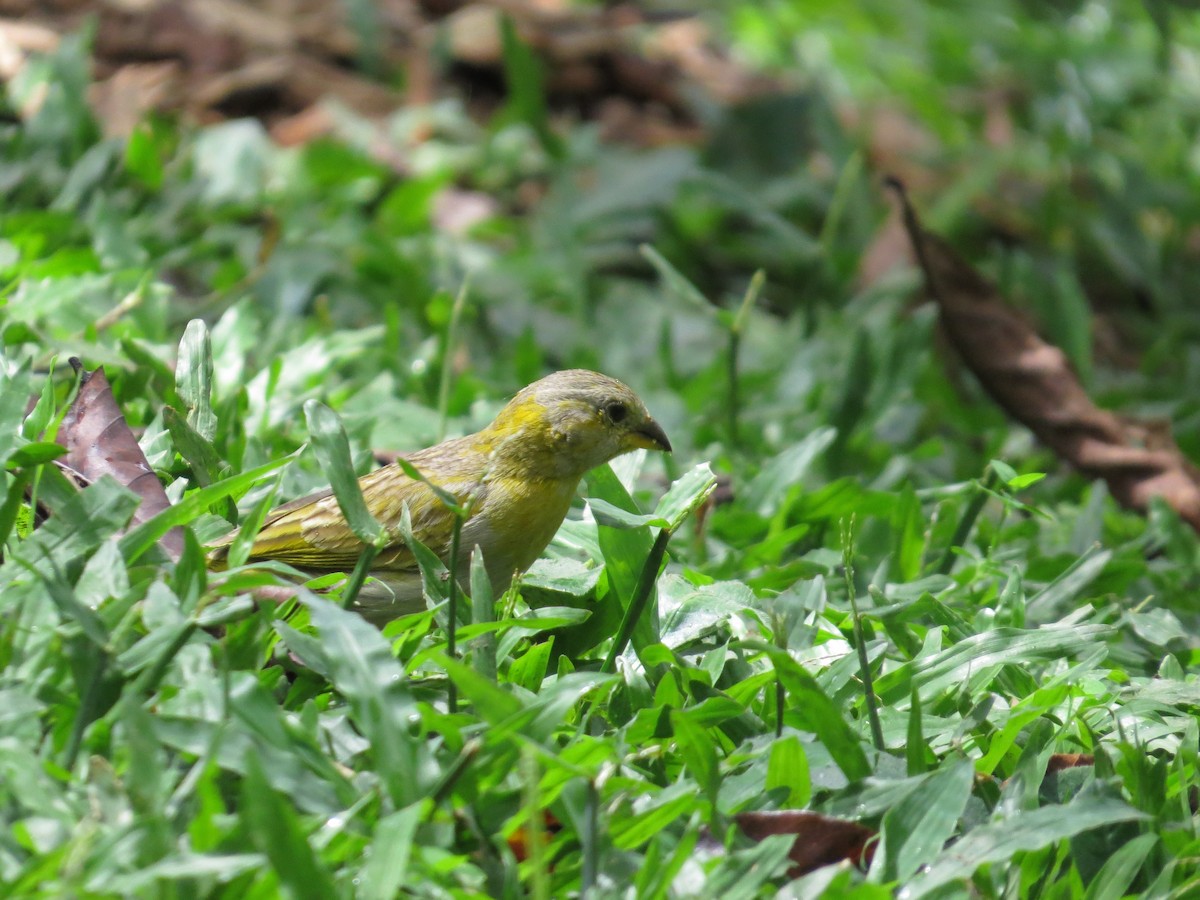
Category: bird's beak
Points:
column 651, row 437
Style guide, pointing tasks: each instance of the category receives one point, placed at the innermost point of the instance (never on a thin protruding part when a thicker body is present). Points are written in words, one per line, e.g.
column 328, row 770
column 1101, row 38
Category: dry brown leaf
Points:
column 820, row 840
column 1060, row 761
column 305, row 126
column 20, row 39
column 279, row 59
column 99, row 442
column 122, row 101
column 1035, row 384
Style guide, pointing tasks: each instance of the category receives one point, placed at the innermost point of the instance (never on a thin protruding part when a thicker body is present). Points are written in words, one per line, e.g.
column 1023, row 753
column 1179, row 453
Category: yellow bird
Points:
column 518, row 475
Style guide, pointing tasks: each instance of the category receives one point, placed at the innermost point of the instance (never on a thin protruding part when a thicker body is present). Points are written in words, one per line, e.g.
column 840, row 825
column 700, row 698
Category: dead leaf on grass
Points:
column 819, row 840
column 99, row 442
column 1035, row 384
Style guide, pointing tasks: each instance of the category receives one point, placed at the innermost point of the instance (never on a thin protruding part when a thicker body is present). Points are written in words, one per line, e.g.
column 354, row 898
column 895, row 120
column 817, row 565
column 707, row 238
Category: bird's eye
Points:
column 616, row 411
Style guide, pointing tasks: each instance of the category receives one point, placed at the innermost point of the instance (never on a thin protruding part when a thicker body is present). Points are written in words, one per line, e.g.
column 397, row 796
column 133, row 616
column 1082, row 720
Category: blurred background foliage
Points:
column 1056, row 144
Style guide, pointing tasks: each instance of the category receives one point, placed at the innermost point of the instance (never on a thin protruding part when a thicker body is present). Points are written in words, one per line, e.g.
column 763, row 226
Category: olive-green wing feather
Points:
column 311, row 532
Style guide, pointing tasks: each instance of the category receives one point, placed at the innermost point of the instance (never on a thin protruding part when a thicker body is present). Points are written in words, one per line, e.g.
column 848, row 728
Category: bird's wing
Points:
column 311, row 532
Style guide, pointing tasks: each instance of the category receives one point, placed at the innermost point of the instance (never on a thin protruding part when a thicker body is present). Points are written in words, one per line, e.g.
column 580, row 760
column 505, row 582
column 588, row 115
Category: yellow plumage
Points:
column 519, row 475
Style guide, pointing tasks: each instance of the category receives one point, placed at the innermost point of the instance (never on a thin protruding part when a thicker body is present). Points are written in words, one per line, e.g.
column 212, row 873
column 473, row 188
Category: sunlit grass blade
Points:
column 333, row 450
column 194, row 378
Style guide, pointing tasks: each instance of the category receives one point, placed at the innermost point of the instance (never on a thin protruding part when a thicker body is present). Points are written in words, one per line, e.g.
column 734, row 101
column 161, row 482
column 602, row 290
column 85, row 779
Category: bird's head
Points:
column 570, row 422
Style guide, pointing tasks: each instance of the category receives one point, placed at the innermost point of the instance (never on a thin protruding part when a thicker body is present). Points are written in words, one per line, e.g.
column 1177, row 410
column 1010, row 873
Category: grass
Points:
column 881, row 614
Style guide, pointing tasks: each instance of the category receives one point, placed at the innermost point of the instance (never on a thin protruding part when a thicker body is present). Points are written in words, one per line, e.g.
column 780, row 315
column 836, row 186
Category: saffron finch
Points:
column 516, row 477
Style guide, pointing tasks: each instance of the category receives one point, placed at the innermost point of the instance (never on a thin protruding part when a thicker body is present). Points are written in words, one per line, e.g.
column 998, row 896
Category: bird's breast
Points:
column 518, row 518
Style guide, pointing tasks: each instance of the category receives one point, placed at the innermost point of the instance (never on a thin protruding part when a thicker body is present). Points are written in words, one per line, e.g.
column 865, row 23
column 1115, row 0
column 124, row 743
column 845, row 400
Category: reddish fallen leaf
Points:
column 99, row 442
column 820, row 840
column 1035, row 384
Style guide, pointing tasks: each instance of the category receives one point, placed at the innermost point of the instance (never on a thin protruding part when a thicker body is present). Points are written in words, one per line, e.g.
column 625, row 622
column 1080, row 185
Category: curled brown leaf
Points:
column 1033, row 381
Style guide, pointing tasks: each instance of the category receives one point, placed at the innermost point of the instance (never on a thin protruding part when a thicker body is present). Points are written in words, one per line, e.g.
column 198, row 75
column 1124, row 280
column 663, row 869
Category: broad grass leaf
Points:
column 787, row 768
column 699, row 753
column 69, row 607
column 685, row 495
column 333, row 450
column 1067, row 586
column 629, row 832
column 689, row 611
column 529, row 669
column 492, row 703
column 387, row 866
column 144, row 152
column 656, row 876
column 15, row 389
column 448, row 499
column 547, row 713
column 194, row 378
column 1020, row 716
column 916, row 750
column 362, row 668
column 842, row 498
column 435, row 577
column 34, row 454
column 104, row 576
column 767, row 490
column 243, row 541
column 1088, row 527
column 611, row 516
column 231, row 161
column 537, row 717
column 154, row 369
column 978, row 653
column 198, row 450
column 742, row 873
column 853, row 387
column 625, row 551
column 1118, row 873
column 1023, row 831
column 272, row 824
column 560, row 577
column 152, row 646
column 186, row 868
column 812, row 710
column 483, row 612
column 190, row 577
column 558, row 582
column 677, row 282
column 915, row 829
column 750, row 203
column 75, row 531
column 1010, row 605
column 909, row 529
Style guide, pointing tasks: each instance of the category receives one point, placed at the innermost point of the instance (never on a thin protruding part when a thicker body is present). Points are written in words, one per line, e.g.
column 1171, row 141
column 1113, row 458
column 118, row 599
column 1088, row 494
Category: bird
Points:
column 516, row 477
